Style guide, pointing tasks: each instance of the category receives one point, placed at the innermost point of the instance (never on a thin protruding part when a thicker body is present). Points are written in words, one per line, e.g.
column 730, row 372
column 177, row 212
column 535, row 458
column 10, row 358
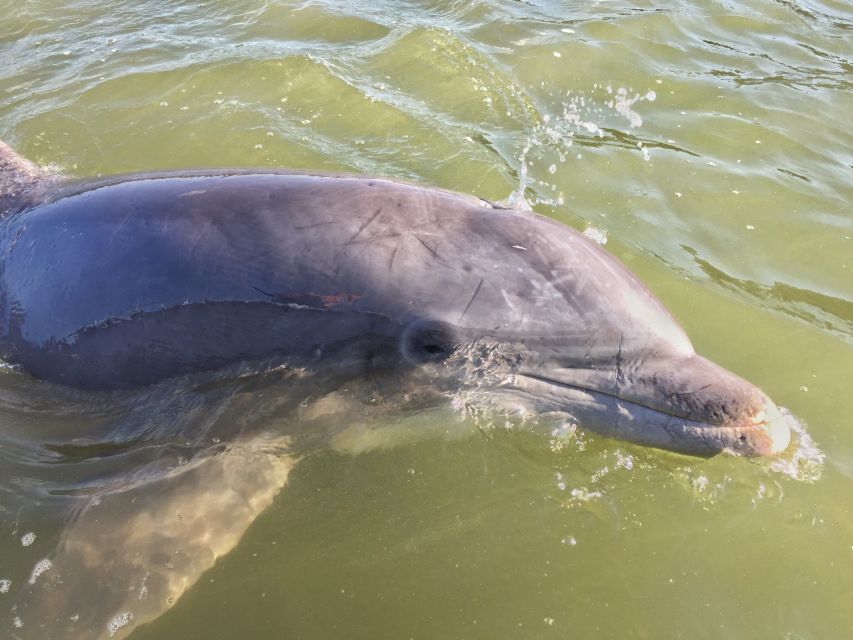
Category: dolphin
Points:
column 115, row 285
column 125, row 281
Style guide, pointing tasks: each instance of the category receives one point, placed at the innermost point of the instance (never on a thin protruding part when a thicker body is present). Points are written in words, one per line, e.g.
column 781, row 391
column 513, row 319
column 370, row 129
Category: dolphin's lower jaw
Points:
column 758, row 428
column 760, row 435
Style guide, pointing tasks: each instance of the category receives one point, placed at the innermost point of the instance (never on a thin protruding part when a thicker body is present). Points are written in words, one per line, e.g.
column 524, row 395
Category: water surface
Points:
column 707, row 142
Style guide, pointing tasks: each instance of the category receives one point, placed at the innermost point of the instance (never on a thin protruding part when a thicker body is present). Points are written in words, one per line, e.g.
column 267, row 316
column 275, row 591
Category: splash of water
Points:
column 582, row 119
column 807, row 460
column 517, row 199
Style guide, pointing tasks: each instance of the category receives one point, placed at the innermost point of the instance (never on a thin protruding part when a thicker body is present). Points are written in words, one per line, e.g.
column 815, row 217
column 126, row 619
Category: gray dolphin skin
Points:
column 161, row 303
column 123, row 282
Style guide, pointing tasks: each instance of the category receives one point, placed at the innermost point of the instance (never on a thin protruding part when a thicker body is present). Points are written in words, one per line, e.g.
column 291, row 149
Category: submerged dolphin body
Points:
column 122, row 283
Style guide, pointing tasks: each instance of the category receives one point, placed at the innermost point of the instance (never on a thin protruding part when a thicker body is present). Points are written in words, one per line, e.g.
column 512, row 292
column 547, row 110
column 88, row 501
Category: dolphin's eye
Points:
column 426, row 341
column 433, row 348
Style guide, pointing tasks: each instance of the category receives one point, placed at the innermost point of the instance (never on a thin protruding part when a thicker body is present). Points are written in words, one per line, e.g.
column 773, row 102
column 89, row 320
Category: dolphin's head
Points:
column 553, row 323
column 681, row 402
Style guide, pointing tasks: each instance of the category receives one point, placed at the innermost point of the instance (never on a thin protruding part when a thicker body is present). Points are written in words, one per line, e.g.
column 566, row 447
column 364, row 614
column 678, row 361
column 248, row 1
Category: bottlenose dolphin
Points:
column 120, row 283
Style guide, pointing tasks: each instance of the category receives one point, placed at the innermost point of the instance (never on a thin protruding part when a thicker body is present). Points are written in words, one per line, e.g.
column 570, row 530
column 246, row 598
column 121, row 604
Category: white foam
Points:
column 807, row 460
column 120, row 621
column 595, row 234
column 585, row 496
column 39, row 569
column 625, row 461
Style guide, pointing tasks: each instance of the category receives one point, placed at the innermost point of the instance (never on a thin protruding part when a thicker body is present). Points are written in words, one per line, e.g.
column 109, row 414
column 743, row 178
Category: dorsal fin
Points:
column 23, row 184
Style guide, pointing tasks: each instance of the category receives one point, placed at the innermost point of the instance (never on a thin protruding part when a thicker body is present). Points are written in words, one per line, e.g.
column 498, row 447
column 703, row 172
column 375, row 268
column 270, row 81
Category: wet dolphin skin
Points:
column 127, row 281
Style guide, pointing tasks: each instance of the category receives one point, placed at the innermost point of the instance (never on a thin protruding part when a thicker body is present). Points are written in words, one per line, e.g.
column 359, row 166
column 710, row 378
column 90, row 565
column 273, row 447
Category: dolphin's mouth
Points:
column 649, row 406
column 727, row 415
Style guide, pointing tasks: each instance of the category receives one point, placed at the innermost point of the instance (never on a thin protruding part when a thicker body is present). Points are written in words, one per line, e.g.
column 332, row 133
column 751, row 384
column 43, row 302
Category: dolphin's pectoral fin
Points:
column 131, row 553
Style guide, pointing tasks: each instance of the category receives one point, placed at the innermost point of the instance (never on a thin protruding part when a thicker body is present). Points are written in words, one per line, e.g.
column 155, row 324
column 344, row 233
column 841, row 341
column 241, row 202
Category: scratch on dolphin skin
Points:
column 393, row 257
column 262, row 254
column 590, row 344
column 471, row 301
column 384, row 236
column 432, row 250
column 315, row 224
column 620, row 376
column 679, row 394
column 370, row 239
column 121, row 225
column 364, row 225
column 266, row 293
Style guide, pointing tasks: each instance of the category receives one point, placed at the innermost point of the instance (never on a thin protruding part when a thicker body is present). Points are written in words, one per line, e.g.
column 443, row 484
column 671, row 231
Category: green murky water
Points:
column 709, row 141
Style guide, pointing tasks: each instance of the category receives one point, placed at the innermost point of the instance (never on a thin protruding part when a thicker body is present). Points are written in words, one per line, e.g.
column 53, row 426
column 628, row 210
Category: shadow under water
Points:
column 122, row 499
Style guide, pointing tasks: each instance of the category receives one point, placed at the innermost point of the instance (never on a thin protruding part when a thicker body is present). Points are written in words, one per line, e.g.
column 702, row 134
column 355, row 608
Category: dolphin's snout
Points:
column 722, row 408
column 767, row 433
column 685, row 404
column 748, row 421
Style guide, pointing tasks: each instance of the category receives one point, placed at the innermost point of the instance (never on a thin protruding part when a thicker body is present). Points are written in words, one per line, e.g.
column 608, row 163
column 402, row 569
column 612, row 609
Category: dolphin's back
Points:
column 131, row 281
